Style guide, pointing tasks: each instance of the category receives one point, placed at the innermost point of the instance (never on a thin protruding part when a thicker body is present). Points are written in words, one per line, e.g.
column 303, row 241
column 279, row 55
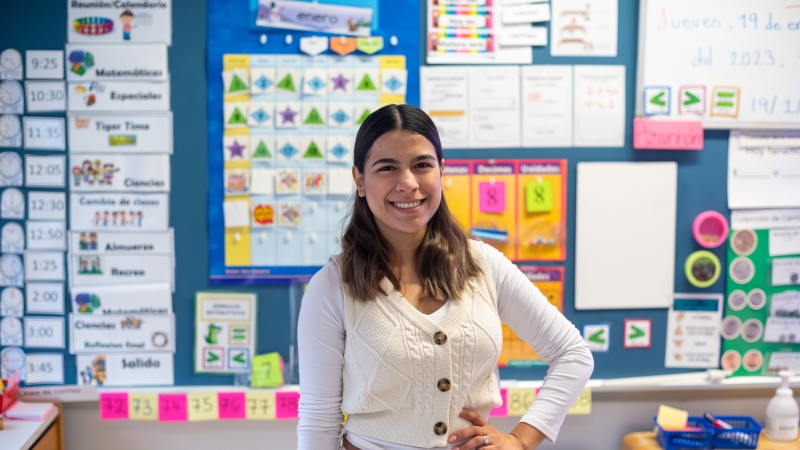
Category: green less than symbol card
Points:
column 267, row 370
column 538, row 196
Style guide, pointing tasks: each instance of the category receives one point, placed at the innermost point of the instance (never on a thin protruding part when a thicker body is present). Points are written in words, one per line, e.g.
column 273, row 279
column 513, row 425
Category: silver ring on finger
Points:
column 485, row 441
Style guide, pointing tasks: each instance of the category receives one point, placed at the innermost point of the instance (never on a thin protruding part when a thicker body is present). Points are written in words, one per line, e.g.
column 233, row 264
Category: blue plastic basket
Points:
column 744, row 433
column 681, row 440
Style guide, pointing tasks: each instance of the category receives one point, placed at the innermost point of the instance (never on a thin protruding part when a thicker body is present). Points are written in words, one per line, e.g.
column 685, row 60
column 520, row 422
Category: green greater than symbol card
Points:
column 538, row 196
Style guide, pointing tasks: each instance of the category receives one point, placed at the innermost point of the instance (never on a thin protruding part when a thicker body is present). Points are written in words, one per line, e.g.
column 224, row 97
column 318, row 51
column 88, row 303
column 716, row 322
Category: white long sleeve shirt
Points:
column 321, row 344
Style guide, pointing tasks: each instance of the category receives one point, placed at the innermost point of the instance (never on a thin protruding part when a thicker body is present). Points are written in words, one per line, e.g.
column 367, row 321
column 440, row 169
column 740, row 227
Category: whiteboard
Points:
column 732, row 63
column 625, row 234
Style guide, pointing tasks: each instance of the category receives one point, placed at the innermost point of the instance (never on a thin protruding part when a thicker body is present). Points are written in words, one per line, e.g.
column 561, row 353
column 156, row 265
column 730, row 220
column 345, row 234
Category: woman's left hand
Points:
column 479, row 429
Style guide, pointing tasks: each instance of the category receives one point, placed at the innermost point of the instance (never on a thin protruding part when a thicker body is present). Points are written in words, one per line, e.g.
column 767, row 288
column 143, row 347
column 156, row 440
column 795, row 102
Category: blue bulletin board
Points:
column 204, row 31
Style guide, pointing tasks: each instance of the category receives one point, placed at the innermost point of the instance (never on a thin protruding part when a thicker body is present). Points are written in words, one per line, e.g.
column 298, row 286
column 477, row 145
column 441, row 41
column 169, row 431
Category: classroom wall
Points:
column 613, row 416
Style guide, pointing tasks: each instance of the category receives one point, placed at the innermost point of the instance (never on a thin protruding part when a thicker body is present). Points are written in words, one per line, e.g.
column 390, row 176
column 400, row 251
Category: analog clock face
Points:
column 11, row 328
column 12, row 234
column 11, row 298
column 12, row 198
column 10, row 126
column 11, row 93
column 11, row 59
column 10, row 265
column 10, row 165
column 12, row 359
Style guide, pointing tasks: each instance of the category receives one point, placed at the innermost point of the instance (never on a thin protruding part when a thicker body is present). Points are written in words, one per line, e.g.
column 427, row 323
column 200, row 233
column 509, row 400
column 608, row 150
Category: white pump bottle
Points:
column 782, row 412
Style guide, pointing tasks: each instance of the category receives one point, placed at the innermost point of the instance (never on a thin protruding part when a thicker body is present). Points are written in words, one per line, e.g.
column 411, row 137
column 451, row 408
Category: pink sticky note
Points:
column 286, row 405
column 651, row 134
column 502, row 411
column 113, row 406
column 172, row 408
column 231, row 405
column 492, row 197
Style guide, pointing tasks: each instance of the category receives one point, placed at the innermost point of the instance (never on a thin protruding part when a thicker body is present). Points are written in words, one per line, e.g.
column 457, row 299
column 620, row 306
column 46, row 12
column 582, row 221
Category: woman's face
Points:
column 402, row 183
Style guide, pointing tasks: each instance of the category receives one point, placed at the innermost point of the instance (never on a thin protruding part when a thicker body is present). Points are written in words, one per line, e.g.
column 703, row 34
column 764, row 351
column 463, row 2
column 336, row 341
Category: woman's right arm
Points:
column 320, row 339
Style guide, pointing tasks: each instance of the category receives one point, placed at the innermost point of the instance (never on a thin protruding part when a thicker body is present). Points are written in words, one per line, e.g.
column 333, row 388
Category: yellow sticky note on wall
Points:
column 672, row 418
column 583, row 405
column 260, row 405
column 202, row 406
column 520, row 400
column 267, row 370
column 142, row 406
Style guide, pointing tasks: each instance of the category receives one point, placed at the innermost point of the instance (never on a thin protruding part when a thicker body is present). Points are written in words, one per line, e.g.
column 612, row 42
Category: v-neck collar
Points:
column 451, row 320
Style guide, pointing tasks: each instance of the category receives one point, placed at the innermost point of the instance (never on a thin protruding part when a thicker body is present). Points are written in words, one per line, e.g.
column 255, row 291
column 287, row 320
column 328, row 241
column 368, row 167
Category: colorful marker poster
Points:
column 121, row 334
column 225, row 332
column 120, row 133
column 117, row 22
column 109, row 173
column 125, row 369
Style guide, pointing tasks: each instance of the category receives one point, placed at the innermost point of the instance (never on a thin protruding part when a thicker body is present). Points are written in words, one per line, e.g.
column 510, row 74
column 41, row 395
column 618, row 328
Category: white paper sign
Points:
column 494, row 109
column 762, row 176
column 44, row 298
column 547, row 106
column 109, row 96
column 44, row 266
column 784, row 361
column 47, row 205
column 584, row 28
column 761, row 219
column 599, row 106
column 92, row 270
column 121, row 334
column 136, row 299
column 104, row 172
column 784, row 242
column 782, row 329
column 444, row 96
column 522, row 36
column 526, row 13
column 124, row 21
column 785, row 271
column 93, row 212
column 85, row 242
column 120, row 133
column 225, row 330
column 46, row 235
column 44, row 368
column 45, row 171
column 46, row 96
column 785, row 304
column 316, row 17
column 43, row 133
column 44, row 64
column 129, row 62
column 44, row 332
column 693, row 331
column 126, row 369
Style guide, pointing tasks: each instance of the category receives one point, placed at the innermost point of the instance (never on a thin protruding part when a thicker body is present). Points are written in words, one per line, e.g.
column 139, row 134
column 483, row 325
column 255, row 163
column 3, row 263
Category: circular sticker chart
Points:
column 742, row 270
column 737, row 300
column 730, row 327
column 744, row 242
column 731, row 360
column 756, row 299
column 753, row 360
column 752, row 329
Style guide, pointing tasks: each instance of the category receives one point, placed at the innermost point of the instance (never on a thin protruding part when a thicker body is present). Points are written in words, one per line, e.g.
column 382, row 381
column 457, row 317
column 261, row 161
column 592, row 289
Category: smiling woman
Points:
column 402, row 330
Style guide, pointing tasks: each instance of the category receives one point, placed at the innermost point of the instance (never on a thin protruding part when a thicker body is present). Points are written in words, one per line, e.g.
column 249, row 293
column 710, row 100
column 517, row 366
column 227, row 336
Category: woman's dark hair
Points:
column 443, row 258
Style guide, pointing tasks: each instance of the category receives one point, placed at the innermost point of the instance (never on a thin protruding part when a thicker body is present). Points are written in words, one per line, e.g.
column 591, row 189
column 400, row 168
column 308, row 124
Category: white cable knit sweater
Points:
column 403, row 383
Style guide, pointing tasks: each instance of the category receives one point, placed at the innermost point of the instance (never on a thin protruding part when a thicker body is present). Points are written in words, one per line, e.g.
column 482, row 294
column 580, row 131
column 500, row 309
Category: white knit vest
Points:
column 392, row 364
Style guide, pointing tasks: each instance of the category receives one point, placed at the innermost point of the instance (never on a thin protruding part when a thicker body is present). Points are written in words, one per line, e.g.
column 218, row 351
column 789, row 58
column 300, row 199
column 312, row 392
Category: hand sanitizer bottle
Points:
column 782, row 412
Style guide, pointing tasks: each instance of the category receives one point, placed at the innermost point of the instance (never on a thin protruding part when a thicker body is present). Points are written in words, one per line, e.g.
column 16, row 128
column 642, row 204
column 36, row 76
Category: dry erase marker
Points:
column 716, row 422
